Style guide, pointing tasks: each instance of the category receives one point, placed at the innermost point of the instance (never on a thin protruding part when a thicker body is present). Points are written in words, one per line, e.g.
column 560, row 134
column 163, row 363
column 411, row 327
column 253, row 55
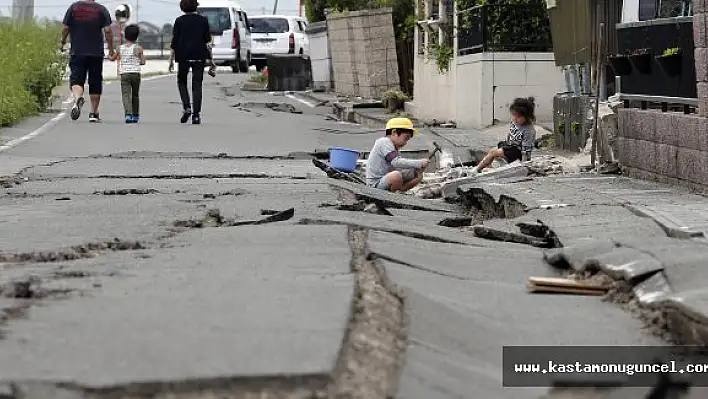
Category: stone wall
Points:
column 664, row 146
column 363, row 50
column 671, row 147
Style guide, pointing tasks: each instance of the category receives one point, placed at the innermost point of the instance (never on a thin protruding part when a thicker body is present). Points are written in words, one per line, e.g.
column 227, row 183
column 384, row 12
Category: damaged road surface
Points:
column 160, row 260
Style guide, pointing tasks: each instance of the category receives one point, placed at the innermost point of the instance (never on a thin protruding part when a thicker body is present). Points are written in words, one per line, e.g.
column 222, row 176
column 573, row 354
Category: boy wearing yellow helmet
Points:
column 386, row 169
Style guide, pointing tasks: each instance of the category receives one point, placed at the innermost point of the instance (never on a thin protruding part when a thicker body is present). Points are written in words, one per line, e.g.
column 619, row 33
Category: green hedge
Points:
column 31, row 67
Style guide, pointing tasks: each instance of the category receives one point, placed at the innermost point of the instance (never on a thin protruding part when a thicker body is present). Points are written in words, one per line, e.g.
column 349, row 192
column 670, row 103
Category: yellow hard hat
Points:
column 401, row 123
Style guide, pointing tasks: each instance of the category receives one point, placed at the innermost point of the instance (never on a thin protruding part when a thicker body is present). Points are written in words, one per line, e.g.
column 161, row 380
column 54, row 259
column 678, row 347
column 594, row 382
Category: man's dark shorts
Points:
column 511, row 152
column 82, row 65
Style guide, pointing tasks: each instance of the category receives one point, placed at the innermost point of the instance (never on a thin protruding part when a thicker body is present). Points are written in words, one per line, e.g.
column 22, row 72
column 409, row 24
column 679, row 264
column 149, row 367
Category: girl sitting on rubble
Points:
column 521, row 137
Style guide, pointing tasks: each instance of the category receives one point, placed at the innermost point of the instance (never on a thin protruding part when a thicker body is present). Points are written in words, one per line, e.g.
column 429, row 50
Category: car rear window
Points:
column 219, row 18
column 269, row 25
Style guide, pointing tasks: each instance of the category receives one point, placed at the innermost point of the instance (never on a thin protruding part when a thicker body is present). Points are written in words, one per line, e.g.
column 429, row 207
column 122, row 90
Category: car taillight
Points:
column 291, row 46
column 234, row 40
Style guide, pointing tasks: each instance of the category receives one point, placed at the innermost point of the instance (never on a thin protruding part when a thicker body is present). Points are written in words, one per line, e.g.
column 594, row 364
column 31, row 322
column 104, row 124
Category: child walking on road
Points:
column 190, row 48
column 130, row 57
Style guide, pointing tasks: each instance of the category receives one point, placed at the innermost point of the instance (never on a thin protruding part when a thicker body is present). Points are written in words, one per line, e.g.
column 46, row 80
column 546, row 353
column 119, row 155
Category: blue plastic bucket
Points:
column 343, row 159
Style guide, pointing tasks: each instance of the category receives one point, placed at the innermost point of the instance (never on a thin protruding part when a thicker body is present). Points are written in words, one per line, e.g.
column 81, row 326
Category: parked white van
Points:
column 231, row 33
column 277, row 34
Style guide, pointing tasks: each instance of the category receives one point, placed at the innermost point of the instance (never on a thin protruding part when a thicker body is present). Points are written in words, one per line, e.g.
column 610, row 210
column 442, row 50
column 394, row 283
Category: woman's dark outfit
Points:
column 190, row 38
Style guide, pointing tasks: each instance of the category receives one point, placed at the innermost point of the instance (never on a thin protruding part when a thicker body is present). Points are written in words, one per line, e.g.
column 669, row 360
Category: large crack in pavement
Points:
column 637, row 271
column 374, row 347
column 87, row 250
column 368, row 366
column 369, row 360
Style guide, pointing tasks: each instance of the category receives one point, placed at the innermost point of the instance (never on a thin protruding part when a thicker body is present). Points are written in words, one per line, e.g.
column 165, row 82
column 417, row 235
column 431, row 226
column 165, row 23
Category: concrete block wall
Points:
column 319, row 55
column 478, row 88
column 363, row 50
column 700, row 39
column 664, row 146
column 671, row 147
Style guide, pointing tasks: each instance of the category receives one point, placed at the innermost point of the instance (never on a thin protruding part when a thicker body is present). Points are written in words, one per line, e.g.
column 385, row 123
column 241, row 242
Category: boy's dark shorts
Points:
column 511, row 153
column 82, row 65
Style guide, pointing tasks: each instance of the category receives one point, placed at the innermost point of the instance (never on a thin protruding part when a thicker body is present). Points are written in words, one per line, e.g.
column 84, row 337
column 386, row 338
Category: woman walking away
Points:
column 130, row 57
column 190, row 48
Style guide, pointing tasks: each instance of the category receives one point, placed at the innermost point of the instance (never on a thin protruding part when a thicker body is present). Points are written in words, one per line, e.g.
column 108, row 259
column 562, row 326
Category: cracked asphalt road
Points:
column 121, row 276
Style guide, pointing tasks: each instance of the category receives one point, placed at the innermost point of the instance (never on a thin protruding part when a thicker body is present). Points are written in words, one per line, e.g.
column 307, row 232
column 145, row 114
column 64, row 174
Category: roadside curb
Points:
column 308, row 95
column 368, row 120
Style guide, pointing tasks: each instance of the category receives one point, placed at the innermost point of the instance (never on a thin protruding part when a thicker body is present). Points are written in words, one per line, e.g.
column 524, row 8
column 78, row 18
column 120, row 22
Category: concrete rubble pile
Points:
column 444, row 182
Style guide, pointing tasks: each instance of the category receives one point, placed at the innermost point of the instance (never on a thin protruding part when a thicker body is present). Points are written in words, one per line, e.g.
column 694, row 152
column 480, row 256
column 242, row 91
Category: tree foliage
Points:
column 403, row 11
column 31, row 67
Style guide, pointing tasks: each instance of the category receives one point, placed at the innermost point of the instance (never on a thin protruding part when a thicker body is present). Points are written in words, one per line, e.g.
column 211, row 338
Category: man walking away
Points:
column 87, row 22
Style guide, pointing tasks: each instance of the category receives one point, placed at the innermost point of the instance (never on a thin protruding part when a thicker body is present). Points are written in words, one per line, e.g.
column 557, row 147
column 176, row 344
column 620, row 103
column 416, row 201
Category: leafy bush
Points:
column 31, row 67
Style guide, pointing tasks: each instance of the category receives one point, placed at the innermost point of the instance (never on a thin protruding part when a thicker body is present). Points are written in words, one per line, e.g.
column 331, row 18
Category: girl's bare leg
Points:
column 489, row 158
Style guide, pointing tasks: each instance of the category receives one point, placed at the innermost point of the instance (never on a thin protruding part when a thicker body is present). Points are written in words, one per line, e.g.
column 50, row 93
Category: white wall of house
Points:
column 478, row 88
column 319, row 55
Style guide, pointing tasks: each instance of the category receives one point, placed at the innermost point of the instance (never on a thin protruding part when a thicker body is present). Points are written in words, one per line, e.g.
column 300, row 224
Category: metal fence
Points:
column 513, row 28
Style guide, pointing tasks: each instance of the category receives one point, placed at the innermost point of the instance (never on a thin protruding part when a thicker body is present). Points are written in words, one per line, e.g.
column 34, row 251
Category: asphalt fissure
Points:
column 266, row 387
column 670, row 324
column 213, row 218
column 87, row 250
column 177, row 177
column 373, row 351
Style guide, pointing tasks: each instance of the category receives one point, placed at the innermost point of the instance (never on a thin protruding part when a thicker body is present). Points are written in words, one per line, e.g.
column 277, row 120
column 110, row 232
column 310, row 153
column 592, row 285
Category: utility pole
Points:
column 137, row 11
column 275, row 7
column 23, row 10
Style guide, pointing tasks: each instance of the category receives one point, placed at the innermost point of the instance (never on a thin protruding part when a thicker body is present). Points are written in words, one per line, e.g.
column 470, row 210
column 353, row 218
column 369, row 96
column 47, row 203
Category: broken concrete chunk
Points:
column 461, row 221
column 652, row 290
column 393, row 200
column 576, row 255
column 276, row 217
column 507, row 236
column 396, row 225
column 626, row 263
column 514, row 169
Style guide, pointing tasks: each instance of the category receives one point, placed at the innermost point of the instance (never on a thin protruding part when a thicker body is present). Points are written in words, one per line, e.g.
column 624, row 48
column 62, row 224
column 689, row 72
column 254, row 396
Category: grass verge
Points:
column 31, row 67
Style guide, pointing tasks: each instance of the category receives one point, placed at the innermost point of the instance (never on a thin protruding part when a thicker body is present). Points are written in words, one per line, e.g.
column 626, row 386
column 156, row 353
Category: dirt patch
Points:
column 87, row 250
column 485, row 207
column 62, row 274
column 30, row 288
column 234, row 192
column 655, row 320
column 278, row 107
column 128, row 191
column 375, row 343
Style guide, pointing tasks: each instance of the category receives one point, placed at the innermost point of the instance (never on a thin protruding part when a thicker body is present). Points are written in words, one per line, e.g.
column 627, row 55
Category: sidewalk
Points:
column 650, row 236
